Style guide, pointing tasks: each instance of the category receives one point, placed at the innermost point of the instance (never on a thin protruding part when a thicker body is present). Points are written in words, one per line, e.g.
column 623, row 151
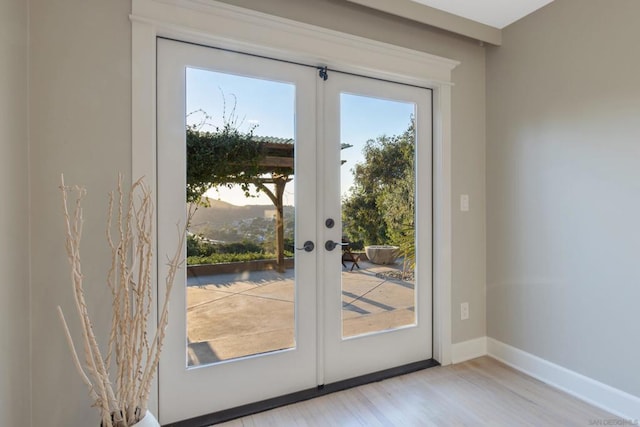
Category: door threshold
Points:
column 299, row 396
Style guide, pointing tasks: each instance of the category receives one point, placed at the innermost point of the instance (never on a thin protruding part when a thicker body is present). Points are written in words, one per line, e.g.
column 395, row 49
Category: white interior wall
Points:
column 80, row 114
column 563, row 188
column 14, row 230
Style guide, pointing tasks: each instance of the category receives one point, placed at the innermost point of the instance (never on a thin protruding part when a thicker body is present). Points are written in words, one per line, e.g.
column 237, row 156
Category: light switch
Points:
column 464, row 311
column 464, row 202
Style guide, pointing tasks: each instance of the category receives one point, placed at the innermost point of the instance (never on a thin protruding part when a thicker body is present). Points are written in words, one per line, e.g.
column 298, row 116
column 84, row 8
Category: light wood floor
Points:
column 480, row 392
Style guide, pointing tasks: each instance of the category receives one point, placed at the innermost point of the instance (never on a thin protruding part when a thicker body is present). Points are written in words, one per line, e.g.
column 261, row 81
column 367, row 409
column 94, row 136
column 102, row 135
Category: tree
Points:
column 380, row 208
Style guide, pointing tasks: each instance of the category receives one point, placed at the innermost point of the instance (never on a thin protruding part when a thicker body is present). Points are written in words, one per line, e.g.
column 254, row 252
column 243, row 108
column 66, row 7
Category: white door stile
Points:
column 320, row 254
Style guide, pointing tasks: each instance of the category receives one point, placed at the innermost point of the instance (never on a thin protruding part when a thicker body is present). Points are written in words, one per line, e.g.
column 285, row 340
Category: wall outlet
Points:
column 464, row 311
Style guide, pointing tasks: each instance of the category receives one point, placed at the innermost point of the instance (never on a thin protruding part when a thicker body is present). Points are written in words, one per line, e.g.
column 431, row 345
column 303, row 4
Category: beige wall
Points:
column 563, row 188
column 81, row 126
column 468, row 133
column 81, row 120
column 14, row 256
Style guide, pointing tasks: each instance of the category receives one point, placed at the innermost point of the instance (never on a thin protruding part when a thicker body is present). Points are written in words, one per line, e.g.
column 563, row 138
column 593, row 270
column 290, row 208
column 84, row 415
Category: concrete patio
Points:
column 235, row 315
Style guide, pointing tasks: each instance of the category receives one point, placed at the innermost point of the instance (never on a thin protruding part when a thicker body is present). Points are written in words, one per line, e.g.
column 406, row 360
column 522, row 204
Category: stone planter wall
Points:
column 236, row 267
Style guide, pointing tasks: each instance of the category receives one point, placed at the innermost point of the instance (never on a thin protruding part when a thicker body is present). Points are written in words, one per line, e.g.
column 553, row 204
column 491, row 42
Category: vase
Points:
column 147, row 421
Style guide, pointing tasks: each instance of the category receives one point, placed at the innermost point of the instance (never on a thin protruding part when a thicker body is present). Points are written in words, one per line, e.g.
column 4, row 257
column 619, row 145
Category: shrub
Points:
column 219, row 258
column 198, row 247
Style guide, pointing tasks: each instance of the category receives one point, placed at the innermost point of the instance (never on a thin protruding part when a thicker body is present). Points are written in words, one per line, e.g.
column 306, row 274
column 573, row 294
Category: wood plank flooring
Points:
column 480, row 392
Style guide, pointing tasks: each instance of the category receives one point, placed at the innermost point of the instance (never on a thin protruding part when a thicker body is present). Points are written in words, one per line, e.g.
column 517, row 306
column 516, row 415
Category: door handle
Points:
column 308, row 246
column 331, row 245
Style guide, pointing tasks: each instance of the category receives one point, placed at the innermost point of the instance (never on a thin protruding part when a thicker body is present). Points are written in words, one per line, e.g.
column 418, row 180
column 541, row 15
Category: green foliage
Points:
column 224, row 157
column 198, row 247
column 218, row 258
column 239, row 248
column 363, row 223
column 398, row 204
column 224, row 258
column 201, row 251
column 381, row 206
column 407, row 244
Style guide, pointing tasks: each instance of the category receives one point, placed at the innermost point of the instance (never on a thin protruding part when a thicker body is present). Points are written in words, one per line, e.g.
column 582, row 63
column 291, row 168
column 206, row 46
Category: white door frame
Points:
column 225, row 26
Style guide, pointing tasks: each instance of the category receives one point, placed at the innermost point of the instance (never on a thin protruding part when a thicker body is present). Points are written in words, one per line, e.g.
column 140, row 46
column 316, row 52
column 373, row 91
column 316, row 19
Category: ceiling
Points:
column 495, row 13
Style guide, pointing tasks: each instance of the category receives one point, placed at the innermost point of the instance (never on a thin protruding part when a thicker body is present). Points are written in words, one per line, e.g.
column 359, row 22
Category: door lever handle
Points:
column 308, row 246
column 331, row 245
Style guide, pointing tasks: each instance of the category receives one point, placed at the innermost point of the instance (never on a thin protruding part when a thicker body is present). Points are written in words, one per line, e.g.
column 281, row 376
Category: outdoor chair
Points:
column 348, row 256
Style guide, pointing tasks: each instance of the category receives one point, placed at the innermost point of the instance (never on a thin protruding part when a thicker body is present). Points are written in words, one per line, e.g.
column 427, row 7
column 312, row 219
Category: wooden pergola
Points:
column 279, row 161
column 229, row 157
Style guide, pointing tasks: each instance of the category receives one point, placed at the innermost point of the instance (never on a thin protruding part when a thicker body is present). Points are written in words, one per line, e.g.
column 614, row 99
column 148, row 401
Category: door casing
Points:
column 231, row 27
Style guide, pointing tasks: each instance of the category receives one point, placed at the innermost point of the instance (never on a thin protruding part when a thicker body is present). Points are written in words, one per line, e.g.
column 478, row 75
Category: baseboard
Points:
column 467, row 350
column 619, row 403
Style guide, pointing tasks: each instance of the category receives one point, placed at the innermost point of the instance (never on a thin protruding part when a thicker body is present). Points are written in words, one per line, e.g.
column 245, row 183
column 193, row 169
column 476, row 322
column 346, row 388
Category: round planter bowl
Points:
column 148, row 421
column 382, row 254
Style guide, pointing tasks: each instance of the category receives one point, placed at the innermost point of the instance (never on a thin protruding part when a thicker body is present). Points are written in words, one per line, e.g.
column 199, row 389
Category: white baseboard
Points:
column 467, row 350
column 620, row 403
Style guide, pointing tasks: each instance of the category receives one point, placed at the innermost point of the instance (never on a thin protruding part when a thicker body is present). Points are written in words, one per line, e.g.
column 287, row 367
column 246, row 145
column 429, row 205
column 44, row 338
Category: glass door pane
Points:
column 241, row 203
column 377, row 189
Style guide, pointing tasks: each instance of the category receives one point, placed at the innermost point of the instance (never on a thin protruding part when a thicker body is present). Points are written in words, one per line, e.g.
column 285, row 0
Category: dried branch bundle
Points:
column 121, row 392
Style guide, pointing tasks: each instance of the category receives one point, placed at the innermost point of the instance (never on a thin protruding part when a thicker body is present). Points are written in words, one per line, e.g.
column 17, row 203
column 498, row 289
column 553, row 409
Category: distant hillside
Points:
column 220, row 213
column 223, row 214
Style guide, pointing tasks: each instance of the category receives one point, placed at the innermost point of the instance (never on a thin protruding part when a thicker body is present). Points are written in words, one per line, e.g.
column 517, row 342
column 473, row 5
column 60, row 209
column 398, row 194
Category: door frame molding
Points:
column 225, row 26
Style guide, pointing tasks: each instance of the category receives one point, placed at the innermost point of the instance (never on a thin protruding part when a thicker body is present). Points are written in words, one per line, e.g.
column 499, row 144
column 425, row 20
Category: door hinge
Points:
column 323, row 73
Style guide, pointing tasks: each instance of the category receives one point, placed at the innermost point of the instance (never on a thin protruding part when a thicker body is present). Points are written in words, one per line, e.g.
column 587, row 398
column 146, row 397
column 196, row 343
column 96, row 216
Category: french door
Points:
column 382, row 318
column 308, row 204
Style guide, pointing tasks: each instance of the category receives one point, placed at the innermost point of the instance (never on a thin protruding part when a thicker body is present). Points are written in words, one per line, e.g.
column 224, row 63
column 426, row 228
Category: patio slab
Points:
column 238, row 315
column 198, row 296
column 235, row 315
column 282, row 291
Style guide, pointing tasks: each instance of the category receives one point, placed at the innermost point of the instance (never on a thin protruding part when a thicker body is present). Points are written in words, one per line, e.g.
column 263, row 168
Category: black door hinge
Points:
column 323, row 73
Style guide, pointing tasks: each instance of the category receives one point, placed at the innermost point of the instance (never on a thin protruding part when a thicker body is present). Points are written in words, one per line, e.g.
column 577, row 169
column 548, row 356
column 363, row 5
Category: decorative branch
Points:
column 123, row 401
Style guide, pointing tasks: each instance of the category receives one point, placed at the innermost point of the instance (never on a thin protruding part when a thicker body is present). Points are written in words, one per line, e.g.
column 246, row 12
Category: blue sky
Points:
column 269, row 107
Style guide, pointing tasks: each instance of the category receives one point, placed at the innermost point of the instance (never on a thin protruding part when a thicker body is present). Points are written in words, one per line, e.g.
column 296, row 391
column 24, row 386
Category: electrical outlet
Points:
column 464, row 311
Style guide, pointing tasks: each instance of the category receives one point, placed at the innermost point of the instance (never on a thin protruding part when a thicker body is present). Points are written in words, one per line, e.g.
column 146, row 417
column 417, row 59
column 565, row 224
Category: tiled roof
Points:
column 273, row 140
